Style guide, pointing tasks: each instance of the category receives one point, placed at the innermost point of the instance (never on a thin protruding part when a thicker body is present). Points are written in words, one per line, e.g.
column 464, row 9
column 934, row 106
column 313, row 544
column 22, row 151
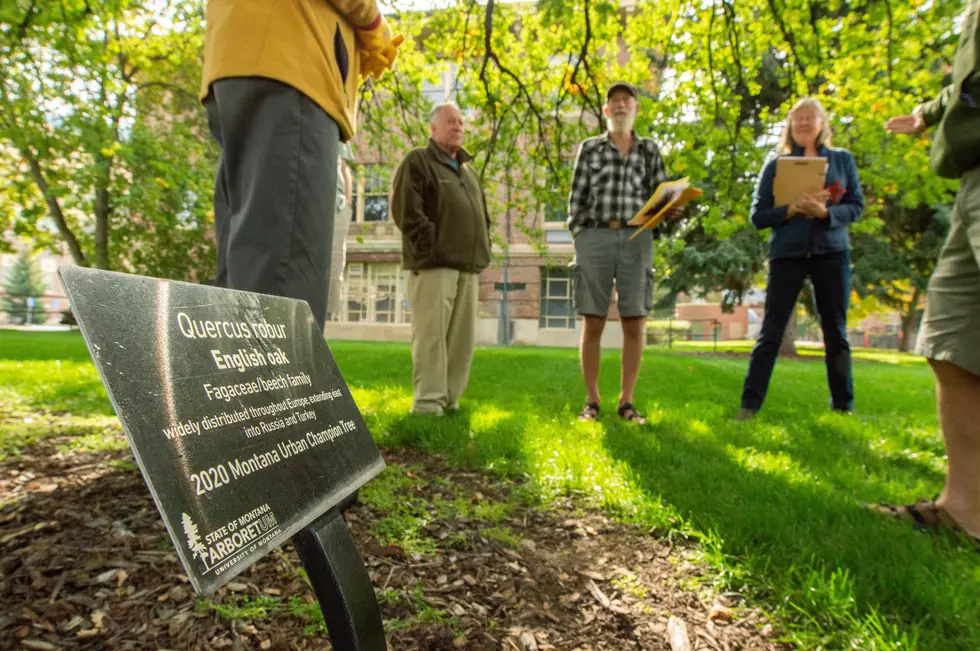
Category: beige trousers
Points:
column 444, row 305
column 338, row 259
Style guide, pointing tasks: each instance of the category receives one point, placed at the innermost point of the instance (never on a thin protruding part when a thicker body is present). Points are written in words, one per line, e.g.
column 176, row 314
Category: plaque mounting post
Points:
column 341, row 583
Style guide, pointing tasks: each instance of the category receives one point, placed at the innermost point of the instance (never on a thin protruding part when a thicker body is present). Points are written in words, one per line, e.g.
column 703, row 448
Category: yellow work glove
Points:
column 377, row 49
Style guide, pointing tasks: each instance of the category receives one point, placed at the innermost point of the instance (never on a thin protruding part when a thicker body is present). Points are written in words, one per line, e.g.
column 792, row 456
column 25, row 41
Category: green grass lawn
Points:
column 774, row 501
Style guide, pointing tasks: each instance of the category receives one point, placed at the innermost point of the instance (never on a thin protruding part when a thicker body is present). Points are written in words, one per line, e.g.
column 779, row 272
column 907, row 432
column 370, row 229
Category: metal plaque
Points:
column 236, row 412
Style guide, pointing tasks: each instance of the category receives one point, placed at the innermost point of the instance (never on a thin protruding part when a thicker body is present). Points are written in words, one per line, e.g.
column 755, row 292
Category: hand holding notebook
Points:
column 668, row 195
column 796, row 177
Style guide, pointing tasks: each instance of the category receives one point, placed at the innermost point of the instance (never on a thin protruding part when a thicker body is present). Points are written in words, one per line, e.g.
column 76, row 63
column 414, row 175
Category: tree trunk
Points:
column 102, row 221
column 54, row 209
column 908, row 320
column 103, row 207
column 788, row 345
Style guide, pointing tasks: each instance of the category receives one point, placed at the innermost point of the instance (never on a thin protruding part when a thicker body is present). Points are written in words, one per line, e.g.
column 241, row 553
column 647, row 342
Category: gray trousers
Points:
column 604, row 255
column 275, row 191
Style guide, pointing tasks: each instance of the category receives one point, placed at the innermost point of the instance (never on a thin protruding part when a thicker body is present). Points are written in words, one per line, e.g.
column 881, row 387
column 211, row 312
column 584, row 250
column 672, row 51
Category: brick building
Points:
column 743, row 322
column 375, row 306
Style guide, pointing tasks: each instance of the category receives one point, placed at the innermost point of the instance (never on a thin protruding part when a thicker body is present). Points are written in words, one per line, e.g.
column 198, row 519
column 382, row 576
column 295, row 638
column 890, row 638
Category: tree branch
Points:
column 814, row 23
column 791, row 41
column 491, row 55
column 583, row 61
column 891, row 42
column 54, row 209
column 401, row 104
column 466, row 25
column 731, row 21
column 26, row 23
column 711, row 64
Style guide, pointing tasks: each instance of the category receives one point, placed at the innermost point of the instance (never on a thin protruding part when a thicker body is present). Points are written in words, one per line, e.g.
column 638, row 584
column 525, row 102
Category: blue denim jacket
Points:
column 801, row 236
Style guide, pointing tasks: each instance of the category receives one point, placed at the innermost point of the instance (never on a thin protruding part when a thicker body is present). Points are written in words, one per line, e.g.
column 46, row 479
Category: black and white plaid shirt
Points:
column 606, row 186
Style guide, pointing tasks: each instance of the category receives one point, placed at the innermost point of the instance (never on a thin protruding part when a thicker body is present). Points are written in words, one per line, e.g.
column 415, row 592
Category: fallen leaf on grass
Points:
column 720, row 613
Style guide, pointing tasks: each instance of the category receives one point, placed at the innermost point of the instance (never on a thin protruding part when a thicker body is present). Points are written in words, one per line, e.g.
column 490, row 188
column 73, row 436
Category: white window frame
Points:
column 361, row 176
column 362, row 282
column 544, row 320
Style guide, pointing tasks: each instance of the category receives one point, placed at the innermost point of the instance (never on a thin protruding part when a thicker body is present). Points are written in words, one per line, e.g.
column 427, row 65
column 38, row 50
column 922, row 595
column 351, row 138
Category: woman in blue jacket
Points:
column 808, row 238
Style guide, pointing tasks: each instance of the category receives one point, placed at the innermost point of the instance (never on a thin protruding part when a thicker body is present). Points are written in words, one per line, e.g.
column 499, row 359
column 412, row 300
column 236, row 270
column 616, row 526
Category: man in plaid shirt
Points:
column 615, row 174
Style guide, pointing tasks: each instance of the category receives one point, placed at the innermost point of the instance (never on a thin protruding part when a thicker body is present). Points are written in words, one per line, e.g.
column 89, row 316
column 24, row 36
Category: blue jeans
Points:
column 831, row 277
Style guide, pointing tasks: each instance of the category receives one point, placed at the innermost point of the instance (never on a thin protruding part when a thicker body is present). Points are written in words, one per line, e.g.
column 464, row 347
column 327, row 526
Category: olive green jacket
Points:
column 440, row 209
column 956, row 112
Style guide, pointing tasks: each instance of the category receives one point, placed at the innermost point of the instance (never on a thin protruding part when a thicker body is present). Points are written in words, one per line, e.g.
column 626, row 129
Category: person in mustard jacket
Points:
column 280, row 87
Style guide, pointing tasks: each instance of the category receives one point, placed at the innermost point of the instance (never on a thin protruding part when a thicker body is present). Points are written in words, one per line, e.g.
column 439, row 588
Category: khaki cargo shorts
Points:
column 950, row 329
column 605, row 255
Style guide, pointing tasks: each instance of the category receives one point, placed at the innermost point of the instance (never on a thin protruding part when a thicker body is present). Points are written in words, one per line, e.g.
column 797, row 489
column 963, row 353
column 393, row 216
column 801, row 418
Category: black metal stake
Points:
column 341, row 584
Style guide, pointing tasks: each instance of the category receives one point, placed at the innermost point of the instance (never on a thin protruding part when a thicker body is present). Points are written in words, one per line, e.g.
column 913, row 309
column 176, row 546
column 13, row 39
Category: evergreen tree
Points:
column 193, row 536
column 22, row 282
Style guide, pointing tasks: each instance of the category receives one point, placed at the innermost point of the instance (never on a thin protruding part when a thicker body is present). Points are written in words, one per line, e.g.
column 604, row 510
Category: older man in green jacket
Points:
column 950, row 333
column 439, row 207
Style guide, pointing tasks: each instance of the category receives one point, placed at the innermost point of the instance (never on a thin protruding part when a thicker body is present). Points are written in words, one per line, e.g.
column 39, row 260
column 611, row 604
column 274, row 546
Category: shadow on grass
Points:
column 780, row 494
column 803, row 353
column 500, row 447
column 804, row 544
column 831, row 446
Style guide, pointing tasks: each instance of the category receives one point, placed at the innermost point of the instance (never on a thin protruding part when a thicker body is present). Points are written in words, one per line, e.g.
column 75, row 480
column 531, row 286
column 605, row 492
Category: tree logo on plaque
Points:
column 193, row 537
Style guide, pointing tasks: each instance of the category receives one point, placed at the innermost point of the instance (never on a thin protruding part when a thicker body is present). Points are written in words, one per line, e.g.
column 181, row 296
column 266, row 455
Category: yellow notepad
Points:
column 667, row 195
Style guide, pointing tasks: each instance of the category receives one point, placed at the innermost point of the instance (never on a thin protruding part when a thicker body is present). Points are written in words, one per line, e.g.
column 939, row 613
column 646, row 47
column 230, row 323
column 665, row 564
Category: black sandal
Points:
column 924, row 515
column 589, row 412
column 629, row 413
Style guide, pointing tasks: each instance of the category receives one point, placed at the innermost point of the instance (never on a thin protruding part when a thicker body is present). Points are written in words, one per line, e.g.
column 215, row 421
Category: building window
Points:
column 441, row 89
column 355, row 290
column 556, row 299
column 371, row 193
column 556, row 212
column 563, row 236
column 374, row 292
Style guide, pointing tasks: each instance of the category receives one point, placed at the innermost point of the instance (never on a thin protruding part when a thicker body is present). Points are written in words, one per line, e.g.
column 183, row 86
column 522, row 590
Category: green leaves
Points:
column 717, row 82
column 100, row 97
column 88, row 91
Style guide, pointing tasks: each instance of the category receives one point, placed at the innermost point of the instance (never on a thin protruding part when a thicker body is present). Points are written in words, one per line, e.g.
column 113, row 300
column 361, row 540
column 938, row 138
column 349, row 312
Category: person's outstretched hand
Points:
column 910, row 125
column 378, row 48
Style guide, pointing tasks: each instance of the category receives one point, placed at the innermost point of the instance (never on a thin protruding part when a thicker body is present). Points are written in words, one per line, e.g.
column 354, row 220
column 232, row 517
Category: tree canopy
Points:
column 106, row 150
